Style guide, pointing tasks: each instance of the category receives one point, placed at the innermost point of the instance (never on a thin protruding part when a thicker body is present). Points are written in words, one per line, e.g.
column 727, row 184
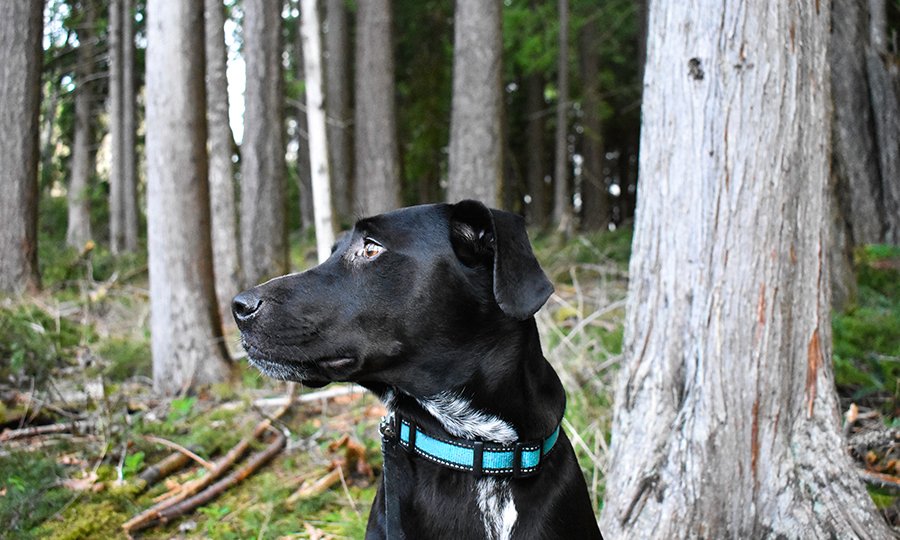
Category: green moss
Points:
column 101, row 519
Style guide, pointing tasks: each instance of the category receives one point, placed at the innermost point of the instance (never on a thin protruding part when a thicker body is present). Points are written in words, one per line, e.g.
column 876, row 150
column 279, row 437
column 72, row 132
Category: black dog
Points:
column 431, row 308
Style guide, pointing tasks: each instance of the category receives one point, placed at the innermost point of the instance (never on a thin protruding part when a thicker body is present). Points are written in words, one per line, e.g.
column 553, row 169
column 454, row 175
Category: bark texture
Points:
column 264, row 249
column 726, row 421
column 116, row 131
column 476, row 108
column 595, row 209
column 377, row 187
column 20, row 99
column 221, row 167
column 186, row 333
column 81, row 164
column 337, row 103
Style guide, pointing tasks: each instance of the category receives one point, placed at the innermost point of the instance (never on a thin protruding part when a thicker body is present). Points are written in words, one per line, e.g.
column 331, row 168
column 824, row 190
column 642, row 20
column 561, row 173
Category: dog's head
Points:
column 413, row 299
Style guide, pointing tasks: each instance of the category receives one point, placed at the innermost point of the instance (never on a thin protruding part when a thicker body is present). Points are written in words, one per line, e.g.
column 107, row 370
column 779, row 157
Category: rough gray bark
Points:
column 130, row 212
column 562, row 199
column 337, row 103
column 377, row 186
column 856, row 154
column 886, row 110
column 116, row 130
column 20, row 99
column 81, row 164
column 264, row 248
column 476, row 108
column 186, row 334
column 221, row 167
column 595, row 209
column 726, row 421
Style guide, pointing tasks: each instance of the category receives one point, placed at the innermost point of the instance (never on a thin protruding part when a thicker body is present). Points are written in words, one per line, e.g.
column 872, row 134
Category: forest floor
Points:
column 84, row 430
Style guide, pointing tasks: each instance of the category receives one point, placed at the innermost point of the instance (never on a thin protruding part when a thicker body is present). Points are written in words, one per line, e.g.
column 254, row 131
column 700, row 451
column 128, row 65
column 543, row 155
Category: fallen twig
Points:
column 164, row 468
column 183, row 450
column 883, row 481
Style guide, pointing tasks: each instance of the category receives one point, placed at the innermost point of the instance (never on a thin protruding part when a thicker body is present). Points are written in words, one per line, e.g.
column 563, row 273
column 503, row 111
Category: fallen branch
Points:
column 883, row 481
column 164, row 468
column 236, row 477
column 189, row 489
column 37, row 431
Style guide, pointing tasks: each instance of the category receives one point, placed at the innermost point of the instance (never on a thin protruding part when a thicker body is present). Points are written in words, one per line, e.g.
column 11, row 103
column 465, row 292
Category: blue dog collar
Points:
column 479, row 457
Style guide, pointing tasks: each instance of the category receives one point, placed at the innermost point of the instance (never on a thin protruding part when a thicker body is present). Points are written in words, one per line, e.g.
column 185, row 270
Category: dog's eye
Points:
column 371, row 249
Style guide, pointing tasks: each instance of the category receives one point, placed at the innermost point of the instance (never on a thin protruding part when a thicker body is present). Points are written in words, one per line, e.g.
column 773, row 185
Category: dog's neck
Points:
column 513, row 398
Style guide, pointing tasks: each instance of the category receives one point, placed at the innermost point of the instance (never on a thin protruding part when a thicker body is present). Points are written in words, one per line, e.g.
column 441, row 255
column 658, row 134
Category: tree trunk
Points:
column 301, row 133
column 854, row 145
column 337, row 77
column 562, row 199
column 538, row 210
column 315, row 114
column 130, row 212
column 476, row 114
column 223, row 212
column 20, row 100
column 595, row 209
column 116, row 130
column 264, row 248
column 377, row 186
column 726, row 422
column 186, row 333
column 78, row 230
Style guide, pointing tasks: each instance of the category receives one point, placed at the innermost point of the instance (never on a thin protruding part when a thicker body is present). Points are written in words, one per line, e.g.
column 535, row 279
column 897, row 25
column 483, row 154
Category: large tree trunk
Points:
column 301, row 134
column 337, row 84
column 78, row 229
column 186, row 333
column 562, row 199
column 221, row 167
column 20, row 100
column 116, row 130
column 130, row 212
column 476, row 114
column 726, row 422
column 264, row 248
column 377, row 186
column 315, row 114
column 595, row 209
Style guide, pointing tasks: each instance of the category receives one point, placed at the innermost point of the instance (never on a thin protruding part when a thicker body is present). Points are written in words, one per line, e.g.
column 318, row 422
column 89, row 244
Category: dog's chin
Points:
column 314, row 374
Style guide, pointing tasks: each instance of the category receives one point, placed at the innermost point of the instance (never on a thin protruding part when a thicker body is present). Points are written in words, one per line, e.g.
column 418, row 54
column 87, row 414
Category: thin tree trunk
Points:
column 595, row 209
column 130, row 212
column 562, row 199
column 476, row 132
column 377, row 185
column 20, row 101
column 726, row 421
column 221, row 167
column 186, row 333
column 337, row 81
column 78, row 230
column 264, row 248
column 315, row 114
column 538, row 210
column 301, row 134
column 116, row 130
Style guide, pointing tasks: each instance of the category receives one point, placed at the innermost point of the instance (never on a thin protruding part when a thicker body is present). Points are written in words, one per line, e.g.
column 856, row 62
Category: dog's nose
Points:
column 245, row 306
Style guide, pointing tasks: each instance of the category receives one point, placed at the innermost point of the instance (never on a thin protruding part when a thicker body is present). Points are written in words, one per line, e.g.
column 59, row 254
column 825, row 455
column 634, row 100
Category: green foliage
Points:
column 30, row 494
column 32, row 342
column 126, row 357
column 867, row 336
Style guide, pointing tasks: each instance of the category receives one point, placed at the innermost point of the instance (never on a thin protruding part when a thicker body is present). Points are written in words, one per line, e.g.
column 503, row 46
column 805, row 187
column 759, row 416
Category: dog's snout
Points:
column 245, row 306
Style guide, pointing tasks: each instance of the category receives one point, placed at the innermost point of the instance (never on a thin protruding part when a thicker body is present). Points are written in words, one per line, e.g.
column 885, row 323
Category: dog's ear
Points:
column 499, row 239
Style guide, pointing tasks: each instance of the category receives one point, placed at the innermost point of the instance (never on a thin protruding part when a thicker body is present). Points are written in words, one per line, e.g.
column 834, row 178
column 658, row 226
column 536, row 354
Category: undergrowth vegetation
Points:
column 77, row 356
